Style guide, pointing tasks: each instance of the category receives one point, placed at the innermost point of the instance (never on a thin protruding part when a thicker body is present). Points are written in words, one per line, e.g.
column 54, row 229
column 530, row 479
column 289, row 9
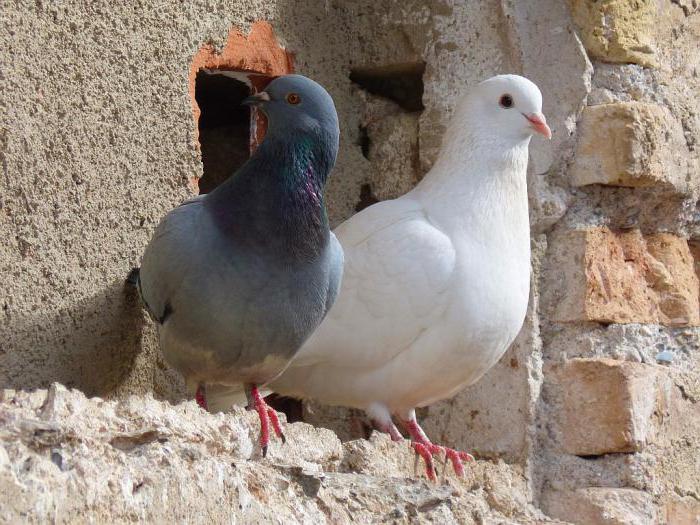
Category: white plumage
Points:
column 436, row 282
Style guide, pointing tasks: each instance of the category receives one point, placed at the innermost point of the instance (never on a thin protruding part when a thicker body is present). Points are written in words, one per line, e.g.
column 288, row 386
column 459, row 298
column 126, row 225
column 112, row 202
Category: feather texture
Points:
column 248, row 271
column 436, row 282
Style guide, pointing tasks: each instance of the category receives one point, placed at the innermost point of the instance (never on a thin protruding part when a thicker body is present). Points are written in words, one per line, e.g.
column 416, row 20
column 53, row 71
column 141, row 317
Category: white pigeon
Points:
column 436, row 282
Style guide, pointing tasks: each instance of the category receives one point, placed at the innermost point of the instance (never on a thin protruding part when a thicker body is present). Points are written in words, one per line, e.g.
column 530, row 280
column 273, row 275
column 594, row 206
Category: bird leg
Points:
column 267, row 416
column 381, row 419
column 276, row 426
column 380, row 416
column 201, row 396
column 426, row 449
column 388, row 428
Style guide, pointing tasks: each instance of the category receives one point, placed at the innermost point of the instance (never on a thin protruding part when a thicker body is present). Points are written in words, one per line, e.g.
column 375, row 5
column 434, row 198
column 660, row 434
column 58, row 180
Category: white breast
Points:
column 475, row 314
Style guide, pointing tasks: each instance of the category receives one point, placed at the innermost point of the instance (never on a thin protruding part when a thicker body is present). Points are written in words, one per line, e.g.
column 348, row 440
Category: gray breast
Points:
column 238, row 317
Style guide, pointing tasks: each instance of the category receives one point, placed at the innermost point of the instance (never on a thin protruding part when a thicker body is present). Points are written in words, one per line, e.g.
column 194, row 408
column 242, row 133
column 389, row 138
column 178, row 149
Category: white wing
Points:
column 396, row 284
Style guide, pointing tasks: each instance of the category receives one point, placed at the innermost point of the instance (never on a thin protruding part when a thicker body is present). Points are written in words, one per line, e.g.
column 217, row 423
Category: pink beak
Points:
column 539, row 124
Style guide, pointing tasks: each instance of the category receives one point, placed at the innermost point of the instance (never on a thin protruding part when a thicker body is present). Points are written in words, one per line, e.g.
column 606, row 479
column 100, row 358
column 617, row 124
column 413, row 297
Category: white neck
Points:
column 479, row 180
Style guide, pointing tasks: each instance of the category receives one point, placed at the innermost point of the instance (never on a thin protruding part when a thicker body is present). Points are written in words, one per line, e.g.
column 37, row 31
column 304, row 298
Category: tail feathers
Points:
column 133, row 277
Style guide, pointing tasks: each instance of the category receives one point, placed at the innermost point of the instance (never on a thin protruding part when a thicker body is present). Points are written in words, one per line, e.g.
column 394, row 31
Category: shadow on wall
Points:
column 98, row 355
column 102, row 344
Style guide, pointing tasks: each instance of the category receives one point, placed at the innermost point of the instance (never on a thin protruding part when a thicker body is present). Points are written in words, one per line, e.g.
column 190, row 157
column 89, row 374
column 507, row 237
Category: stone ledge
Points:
column 66, row 457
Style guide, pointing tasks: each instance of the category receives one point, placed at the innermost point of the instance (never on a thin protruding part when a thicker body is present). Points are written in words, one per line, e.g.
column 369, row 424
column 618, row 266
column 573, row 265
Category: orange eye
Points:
column 293, row 98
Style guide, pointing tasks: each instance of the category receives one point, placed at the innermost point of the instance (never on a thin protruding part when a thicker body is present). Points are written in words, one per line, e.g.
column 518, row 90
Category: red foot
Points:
column 427, row 455
column 267, row 416
column 201, row 397
column 456, row 457
column 274, row 419
column 423, row 447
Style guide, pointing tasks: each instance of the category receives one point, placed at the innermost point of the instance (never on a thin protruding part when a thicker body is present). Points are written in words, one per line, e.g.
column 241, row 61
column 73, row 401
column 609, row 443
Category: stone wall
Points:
column 593, row 415
column 68, row 459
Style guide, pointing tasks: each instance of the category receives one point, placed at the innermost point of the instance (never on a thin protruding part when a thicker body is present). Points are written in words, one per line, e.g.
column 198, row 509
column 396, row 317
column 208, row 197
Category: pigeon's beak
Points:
column 256, row 100
column 539, row 124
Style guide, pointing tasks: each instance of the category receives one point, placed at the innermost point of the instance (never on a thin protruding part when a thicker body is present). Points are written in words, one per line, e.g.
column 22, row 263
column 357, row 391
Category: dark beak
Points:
column 256, row 100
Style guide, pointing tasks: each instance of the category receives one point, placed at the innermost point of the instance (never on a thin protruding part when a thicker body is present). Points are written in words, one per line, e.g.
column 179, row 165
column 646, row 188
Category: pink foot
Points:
column 426, row 453
column 426, row 449
column 274, row 419
column 267, row 416
column 201, row 396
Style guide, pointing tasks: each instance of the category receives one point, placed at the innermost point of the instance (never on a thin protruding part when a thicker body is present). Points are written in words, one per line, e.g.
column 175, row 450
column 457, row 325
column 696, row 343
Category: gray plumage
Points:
column 239, row 278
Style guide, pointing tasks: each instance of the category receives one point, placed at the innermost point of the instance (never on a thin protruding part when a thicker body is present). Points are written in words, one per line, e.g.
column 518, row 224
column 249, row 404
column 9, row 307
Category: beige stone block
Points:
column 695, row 252
column 619, row 31
column 607, row 406
column 625, row 277
column 597, row 506
column 683, row 511
column 672, row 275
column 630, row 144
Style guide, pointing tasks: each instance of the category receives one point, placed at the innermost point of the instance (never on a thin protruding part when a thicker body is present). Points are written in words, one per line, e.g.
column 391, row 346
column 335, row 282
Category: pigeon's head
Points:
column 296, row 104
column 506, row 107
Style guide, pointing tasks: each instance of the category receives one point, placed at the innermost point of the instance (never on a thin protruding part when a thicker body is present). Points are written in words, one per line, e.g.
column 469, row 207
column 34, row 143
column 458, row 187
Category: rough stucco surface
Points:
column 98, row 142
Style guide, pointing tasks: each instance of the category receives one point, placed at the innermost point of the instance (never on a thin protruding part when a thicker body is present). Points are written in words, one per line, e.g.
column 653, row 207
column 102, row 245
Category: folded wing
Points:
column 396, row 284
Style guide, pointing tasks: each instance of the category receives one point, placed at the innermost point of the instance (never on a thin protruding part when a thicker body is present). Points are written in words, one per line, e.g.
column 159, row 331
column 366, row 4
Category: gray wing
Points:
column 162, row 266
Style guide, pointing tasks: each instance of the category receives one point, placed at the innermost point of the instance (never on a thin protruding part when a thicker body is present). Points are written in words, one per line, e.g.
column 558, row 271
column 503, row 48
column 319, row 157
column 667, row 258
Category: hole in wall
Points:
column 367, row 198
column 290, row 407
column 402, row 83
column 590, row 457
column 224, row 126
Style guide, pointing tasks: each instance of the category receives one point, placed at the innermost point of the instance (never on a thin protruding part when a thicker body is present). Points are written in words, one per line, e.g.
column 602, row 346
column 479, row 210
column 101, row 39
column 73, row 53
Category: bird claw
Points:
column 422, row 451
column 274, row 419
column 456, row 457
column 425, row 449
column 267, row 416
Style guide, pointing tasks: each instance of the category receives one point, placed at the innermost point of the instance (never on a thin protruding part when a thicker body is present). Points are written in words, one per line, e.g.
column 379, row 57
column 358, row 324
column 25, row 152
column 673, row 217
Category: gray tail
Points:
column 133, row 277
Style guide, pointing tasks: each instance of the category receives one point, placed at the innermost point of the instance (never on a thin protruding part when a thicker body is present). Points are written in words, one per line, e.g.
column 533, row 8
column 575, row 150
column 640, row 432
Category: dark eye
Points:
column 506, row 101
column 293, row 98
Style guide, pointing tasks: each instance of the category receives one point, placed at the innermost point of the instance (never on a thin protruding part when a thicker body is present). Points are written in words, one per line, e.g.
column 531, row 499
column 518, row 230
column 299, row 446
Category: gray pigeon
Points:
column 239, row 278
